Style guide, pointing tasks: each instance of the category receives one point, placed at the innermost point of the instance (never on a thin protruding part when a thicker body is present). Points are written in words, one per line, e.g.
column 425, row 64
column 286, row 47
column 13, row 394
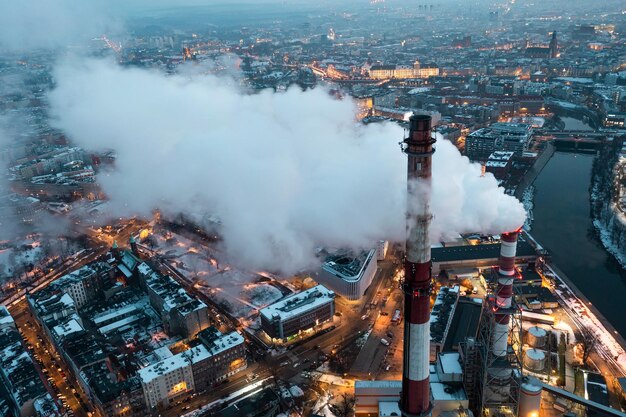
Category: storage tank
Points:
column 537, row 337
column 530, row 399
column 534, row 359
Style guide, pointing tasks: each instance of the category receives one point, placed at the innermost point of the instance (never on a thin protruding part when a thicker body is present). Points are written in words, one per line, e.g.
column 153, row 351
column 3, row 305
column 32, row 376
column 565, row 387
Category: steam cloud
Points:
column 285, row 172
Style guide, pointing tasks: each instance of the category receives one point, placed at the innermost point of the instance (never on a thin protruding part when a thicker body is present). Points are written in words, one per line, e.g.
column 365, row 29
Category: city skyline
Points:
column 204, row 210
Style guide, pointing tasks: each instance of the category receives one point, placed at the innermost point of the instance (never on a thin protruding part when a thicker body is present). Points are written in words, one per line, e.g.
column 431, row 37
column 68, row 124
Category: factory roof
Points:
column 596, row 388
column 347, row 266
column 389, row 408
column 296, row 304
column 441, row 312
column 483, row 251
column 447, row 392
column 464, row 322
column 450, row 362
column 377, row 384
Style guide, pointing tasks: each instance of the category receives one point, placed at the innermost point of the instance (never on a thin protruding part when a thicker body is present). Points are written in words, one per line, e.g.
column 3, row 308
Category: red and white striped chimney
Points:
column 504, row 292
column 415, row 397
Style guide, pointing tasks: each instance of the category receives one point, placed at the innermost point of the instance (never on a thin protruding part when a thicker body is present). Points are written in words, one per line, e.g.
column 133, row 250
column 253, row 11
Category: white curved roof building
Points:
column 347, row 274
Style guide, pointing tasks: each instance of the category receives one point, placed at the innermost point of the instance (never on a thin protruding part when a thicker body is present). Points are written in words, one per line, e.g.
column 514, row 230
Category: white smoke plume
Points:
column 284, row 172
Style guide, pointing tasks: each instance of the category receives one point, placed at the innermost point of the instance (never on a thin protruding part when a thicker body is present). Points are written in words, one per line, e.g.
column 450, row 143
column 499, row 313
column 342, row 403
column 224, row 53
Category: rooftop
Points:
column 346, row 265
column 441, row 312
column 464, row 322
column 482, row 251
column 299, row 303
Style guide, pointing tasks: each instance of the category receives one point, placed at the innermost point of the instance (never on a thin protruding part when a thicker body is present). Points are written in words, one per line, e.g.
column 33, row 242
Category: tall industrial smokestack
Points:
column 415, row 397
column 504, row 291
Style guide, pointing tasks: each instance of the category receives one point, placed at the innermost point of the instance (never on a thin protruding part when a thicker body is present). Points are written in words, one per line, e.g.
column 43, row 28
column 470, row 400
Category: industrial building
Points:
column 298, row 312
column 511, row 137
column 347, row 274
column 483, row 376
column 482, row 255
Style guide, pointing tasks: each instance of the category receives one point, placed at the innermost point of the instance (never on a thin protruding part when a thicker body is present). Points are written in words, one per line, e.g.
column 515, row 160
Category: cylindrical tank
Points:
column 534, row 359
column 529, row 400
column 537, row 337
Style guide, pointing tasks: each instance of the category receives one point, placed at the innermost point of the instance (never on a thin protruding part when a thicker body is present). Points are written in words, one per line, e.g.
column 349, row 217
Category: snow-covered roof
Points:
column 378, row 384
column 447, row 392
column 5, row 317
column 109, row 315
column 389, row 408
column 68, row 328
column 297, row 304
column 450, row 362
column 196, row 354
column 120, row 323
column 152, row 372
column 347, row 266
column 535, row 354
column 225, row 342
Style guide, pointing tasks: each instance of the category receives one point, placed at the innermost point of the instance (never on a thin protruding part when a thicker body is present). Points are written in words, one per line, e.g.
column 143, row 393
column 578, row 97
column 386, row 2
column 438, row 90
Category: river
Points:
column 572, row 123
column 562, row 224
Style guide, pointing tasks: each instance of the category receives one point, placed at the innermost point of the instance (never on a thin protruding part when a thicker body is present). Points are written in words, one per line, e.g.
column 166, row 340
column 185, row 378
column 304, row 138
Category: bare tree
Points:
column 345, row 406
column 587, row 343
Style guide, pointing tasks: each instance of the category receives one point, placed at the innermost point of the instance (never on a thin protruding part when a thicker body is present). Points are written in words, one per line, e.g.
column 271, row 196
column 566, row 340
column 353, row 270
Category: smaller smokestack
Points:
column 504, row 291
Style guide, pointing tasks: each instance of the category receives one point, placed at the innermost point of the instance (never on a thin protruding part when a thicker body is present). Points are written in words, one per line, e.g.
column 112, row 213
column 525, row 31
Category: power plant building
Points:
column 298, row 312
column 349, row 275
column 477, row 256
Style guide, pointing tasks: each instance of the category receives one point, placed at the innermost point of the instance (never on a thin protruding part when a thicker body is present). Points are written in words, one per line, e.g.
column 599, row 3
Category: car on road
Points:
column 390, row 335
column 384, row 342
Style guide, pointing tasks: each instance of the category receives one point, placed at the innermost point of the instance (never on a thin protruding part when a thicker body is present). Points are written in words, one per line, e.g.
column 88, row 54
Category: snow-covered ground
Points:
column 527, row 201
column 240, row 290
column 248, row 389
column 608, row 347
column 609, row 244
column 333, row 379
column 20, row 253
column 321, row 406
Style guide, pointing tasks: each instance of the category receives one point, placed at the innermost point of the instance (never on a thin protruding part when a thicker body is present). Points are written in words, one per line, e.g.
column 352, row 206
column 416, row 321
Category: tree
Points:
column 345, row 406
column 587, row 343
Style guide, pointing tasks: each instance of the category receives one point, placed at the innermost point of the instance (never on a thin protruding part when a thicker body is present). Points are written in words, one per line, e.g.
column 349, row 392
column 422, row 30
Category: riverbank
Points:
column 610, row 333
column 532, row 174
